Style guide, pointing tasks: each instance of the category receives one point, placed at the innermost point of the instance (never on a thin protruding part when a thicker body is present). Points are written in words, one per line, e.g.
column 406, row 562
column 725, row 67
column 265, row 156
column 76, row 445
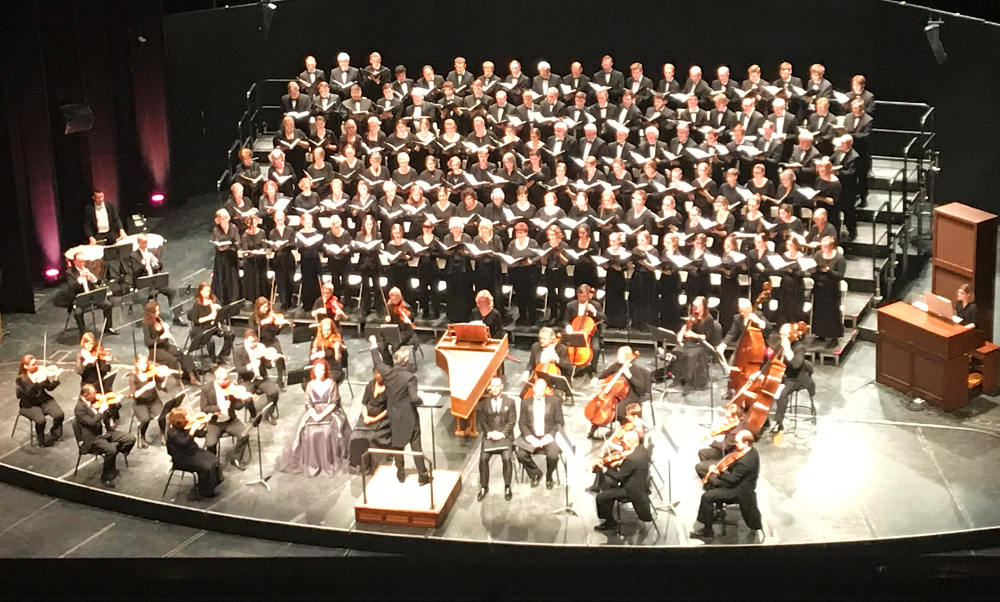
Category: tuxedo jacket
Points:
column 307, row 85
column 751, row 123
column 632, row 474
column 521, row 83
column 611, row 112
column 401, row 396
column 91, row 423
column 598, row 148
column 339, row 83
column 724, row 119
column 573, row 308
column 369, row 86
column 90, row 220
column 645, row 90
column 701, row 90
column 330, row 108
column 553, row 82
column 859, row 127
column 138, row 269
column 848, row 172
column 773, row 151
column 487, row 420
column 403, row 88
column 614, row 80
column 792, row 80
column 72, row 288
column 561, row 352
column 582, row 84
column 302, row 103
column 788, row 123
column 742, row 475
column 824, row 89
column 569, row 145
column 554, row 110
column 500, row 114
column 615, row 150
column 458, row 81
column 210, row 403
column 697, row 118
column 553, row 420
column 820, row 123
column 806, row 157
column 241, row 359
column 727, row 89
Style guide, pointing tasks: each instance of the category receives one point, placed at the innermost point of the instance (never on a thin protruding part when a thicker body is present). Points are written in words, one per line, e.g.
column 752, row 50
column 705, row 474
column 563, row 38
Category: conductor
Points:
column 401, row 394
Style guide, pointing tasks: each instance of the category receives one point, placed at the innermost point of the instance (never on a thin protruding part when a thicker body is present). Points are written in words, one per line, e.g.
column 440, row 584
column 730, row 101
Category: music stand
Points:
column 156, row 281
column 255, row 424
column 715, row 357
column 427, row 401
column 303, row 333
column 87, row 302
column 575, row 339
column 200, row 341
column 115, row 253
column 230, row 311
column 567, row 450
column 660, row 336
column 557, row 382
column 671, row 504
column 298, row 377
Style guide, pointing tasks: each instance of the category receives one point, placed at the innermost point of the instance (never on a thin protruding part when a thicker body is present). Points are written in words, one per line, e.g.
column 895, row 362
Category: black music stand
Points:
column 557, row 382
column 156, row 281
column 230, row 311
column 662, row 337
column 114, row 254
column 671, row 506
column 200, row 342
column 298, row 377
column 567, row 450
column 255, row 424
column 87, row 303
column 303, row 333
column 574, row 339
column 430, row 408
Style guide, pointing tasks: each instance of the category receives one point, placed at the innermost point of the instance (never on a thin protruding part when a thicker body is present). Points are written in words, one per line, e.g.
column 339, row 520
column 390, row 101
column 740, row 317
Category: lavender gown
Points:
column 319, row 447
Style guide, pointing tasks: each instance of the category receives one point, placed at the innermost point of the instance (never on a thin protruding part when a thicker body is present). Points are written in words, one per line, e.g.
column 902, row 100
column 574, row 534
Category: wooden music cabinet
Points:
column 964, row 252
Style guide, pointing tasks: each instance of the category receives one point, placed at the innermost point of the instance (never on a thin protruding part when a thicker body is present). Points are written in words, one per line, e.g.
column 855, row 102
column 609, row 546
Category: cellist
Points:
column 547, row 349
column 739, row 325
column 585, row 305
column 639, row 379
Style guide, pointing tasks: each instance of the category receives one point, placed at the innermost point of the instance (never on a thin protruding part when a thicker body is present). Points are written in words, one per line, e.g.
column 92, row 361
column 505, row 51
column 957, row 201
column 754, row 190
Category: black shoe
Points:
column 832, row 344
column 608, row 525
column 507, row 493
column 482, row 493
column 272, row 419
column 706, row 533
column 777, row 428
column 863, row 204
column 424, row 479
column 550, row 484
column 238, row 464
column 143, row 444
column 401, row 476
column 108, row 481
column 179, row 321
column 111, row 331
column 535, row 481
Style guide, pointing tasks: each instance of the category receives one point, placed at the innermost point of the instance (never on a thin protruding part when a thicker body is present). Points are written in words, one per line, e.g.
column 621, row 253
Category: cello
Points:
column 601, row 409
column 546, row 367
column 587, row 326
column 749, row 354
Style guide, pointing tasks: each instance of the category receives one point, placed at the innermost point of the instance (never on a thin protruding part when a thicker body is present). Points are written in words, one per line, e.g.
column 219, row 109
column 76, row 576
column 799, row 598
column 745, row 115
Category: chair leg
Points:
column 167, row 486
column 16, row 420
column 78, row 456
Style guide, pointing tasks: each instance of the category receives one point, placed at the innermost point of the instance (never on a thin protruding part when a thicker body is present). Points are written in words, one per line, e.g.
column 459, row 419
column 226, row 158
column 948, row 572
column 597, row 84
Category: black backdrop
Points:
column 214, row 56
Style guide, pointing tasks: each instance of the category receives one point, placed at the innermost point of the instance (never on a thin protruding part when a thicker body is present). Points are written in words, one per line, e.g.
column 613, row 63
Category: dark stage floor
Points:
column 869, row 469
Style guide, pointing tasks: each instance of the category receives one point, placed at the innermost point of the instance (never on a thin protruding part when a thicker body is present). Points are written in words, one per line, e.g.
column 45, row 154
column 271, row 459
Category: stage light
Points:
column 267, row 14
column 157, row 198
column 52, row 274
column 933, row 32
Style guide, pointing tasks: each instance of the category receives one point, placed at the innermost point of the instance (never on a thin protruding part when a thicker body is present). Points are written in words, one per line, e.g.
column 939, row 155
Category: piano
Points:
column 470, row 358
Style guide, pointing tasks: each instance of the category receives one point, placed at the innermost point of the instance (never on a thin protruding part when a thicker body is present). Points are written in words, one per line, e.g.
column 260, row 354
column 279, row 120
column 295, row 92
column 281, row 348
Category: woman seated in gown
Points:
column 372, row 429
column 320, row 443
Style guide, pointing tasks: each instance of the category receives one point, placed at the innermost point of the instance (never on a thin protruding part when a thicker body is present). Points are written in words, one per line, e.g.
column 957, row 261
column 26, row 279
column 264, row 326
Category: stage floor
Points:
column 870, row 468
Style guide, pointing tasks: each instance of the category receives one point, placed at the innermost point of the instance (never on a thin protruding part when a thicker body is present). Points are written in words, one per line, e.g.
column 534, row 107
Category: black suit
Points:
column 632, row 477
column 71, row 288
column 640, row 382
column 95, row 436
column 186, row 455
column 339, row 84
column 90, row 224
column 401, row 393
column 216, row 428
column 35, row 403
column 302, row 104
column 372, row 80
column 331, row 109
column 847, row 165
column 737, row 484
column 860, row 128
column 553, row 422
column 553, row 82
column 751, row 123
column 614, row 80
column 572, row 310
column 308, row 82
column 502, row 421
column 137, row 267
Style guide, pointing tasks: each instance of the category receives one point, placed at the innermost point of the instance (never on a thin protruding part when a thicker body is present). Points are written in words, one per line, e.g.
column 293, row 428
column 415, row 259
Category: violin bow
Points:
column 97, row 362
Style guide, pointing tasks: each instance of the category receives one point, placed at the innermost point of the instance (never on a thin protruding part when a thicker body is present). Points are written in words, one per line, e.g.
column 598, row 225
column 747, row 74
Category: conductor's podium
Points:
column 922, row 355
column 470, row 358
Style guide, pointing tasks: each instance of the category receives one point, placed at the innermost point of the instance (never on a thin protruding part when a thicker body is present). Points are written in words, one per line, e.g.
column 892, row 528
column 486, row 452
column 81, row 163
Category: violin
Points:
column 237, row 392
column 611, row 459
column 725, row 463
column 722, row 429
column 44, row 373
column 156, row 370
column 275, row 318
column 197, row 422
column 270, row 354
column 334, row 308
column 402, row 312
column 601, row 409
column 105, row 399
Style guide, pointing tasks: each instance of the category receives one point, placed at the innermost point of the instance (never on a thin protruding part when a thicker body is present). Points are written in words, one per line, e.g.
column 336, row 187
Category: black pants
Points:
column 791, row 386
column 606, row 504
column 106, row 308
column 283, row 265
column 706, row 458
column 527, row 460
column 484, row 466
column 428, row 276
column 370, row 286
column 415, row 446
column 723, row 495
column 110, row 444
column 170, row 294
column 37, row 415
column 265, row 387
column 555, row 282
column 172, row 357
column 207, row 467
column 524, row 280
column 227, row 337
column 145, row 413
column 234, row 428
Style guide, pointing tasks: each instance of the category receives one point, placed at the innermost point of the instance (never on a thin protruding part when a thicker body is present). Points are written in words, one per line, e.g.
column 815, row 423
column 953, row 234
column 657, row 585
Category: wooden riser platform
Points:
column 408, row 504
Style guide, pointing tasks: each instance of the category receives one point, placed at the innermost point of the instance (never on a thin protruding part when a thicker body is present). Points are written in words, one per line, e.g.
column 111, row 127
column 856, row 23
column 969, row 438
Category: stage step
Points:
column 886, row 173
column 860, row 276
column 856, row 304
column 872, row 239
column 876, row 198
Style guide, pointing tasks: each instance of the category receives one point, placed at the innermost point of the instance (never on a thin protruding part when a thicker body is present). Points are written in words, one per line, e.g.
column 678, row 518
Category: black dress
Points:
column 555, row 279
column 283, row 263
column 729, row 292
column 254, row 266
column 428, row 276
column 694, row 357
column 827, row 321
column 792, row 293
column 642, row 292
column 488, row 273
column 492, row 320
column 309, row 245
column 615, row 307
column 370, row 268
column 226, row 275
column 378, row 434
column 584, row 268
column 669, row 287
column 524, row 278
column 458, row 274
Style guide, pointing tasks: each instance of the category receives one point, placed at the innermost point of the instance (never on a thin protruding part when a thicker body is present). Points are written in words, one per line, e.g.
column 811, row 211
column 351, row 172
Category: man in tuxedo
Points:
column 586, row 305
column 787, row 82
column 560, row 144
column 297, row 105
column 738, row 483
column 669, row 84
column 79, row 280
column 357, row 107
column 651, row 147
column 820, row 124
column 101, row 222
column 551, row 106
column 695, row 116
column 721, row 118
column 640, row 382
column 96, row 436
column 496, row 415
column 785, row 125
column 750, row 118
column 609, row 77
column 629, row 115
column 309, row 78
column 545, row 79
column 328, row 105
column 142, row 263
column 640, row 86
column 632, row 479
column 661, row 116
column 460, row 78
column 500, row 112
column 516, row 83
column 489, row 78
column 343, row 76
column 818, row 86
column 772, row 150
column 601, row 111
column 579, row 113
column 804, row 154
column 679, row 145
column 576, row 80
column 755, row 84
column 402, row 399
column 698, row 86
column 477, row 103
column 858, row 90
column 590, row 145
column 388, row 108
column 859, row 125
column 420, row 109
column 373, row 76
column 724, row 84
column 845, row 163
column 402, row 85
column 739, row 325
column 221, row 405
column 252, row 371
column 621, row 148
column 541, row 419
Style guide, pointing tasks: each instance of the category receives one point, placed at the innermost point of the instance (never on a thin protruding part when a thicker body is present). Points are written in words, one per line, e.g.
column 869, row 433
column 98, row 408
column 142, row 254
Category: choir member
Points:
column 442, row 211
column 583, row 249
column 226, row 272
column 642, row 295
column 758, row 264
column 672, row 262
column 554, row 261
column 615, row 283
column 309, row 243
column 846, row 163
column 733, row 264
column 397, row 255
column 706, row 189
column 248, row 173
column 428, row 274
column 368, row 245
column 791, row 294
column 803, row 160
column 608, row 215
column 827, row 321
column 828, row 192
column 239, row 207
column 699, row 268
column 337, row 247
column 483, row 248
column 292, row 142
column 859, row 126
column 524, row 272
column 252, row 249
column 819, row 229
column 458, row 271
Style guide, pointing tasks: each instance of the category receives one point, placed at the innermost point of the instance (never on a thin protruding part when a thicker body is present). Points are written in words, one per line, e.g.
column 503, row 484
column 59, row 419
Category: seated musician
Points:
column 142, row 262
column 965, row 306
column 721, row 440
column 798, row 370
column 34, row 401
column 203, row 316
column 79, row 280
column 547, row 349
column 187, row 455
column 541, row 418
column 633, row 422
column 161, row 345
column 586, row 305
column 101, row 223
column 97, row 435
column 93, row 364
column 496, row 415
column 487, row 314
column 398, row 312
column 328, row 305
column 737, row 482
column 632, row 478
column 251, row 360
column 220, row 399
column 372, row 428
column 329, row 346
column 144, row 386
column 639, row 379
column 269, row 325
column 739, row 325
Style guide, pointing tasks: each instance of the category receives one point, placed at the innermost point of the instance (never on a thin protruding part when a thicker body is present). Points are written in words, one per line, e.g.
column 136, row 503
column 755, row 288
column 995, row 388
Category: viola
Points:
column 157, row 370
column 601, row 409
column 725, row 463
column 612, row 458
column 334, row 307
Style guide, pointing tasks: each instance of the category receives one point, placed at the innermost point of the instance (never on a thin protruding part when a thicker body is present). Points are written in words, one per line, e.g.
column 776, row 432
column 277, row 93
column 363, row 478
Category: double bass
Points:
column 763, row 386
column 749, row 354
column 601, row 409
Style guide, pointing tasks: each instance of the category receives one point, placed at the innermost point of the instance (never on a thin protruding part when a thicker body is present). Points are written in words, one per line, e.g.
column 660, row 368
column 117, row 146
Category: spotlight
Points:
column 267, row 13
column 157, row 198
column 52, row 274
column 933, row 32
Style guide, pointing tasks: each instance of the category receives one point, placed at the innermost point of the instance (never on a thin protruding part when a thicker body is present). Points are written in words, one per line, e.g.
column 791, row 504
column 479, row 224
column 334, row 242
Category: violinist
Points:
column 269, row 325
column 187, row 455
column 251, row 360
column 34, row 401
column 611, row 451
column 639, row 379
column 541, row 418
column 631, row 477
column 721, row 440
column 692, row 364
column 328, row 305
column 398, row 312
column 93, row 362
column 548, row 349
column 161, row 345
column 486, row 313
column 736, row 482
column 496, row 415
column 329, row 346
column 97, row 432
column 203, row 316
column 798, row 370
column 739, row 324
column 221, row 399
column 143, row 262
column 585, row 305
column 144, row 385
